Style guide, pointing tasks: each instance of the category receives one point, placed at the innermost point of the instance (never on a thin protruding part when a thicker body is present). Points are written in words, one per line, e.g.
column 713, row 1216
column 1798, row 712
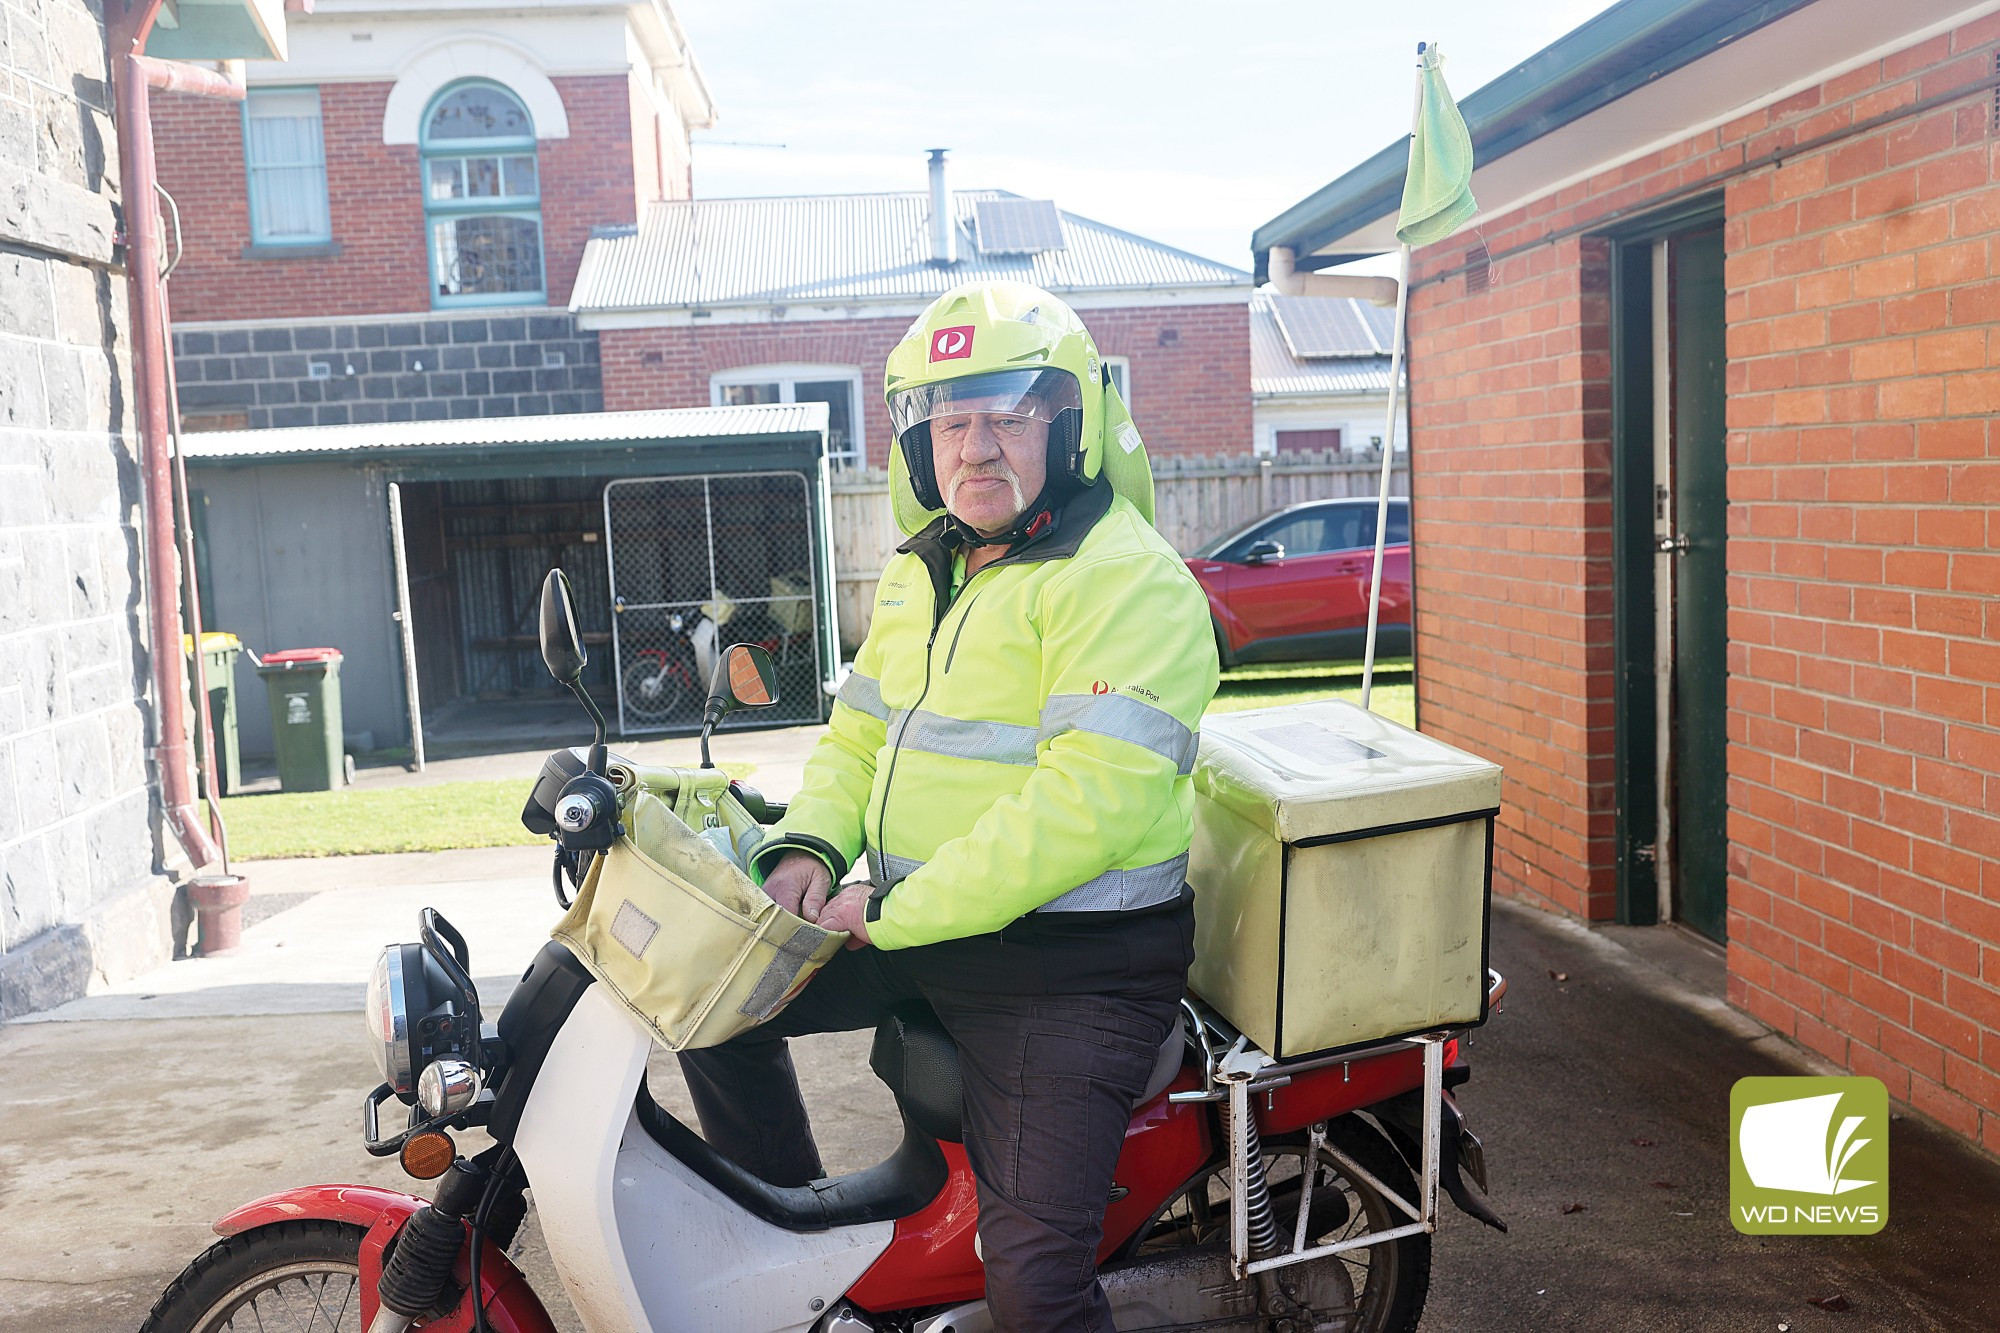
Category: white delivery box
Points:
column 1342, row 871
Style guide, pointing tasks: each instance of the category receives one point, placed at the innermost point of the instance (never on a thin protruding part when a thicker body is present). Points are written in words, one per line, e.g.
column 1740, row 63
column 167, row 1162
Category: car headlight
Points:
column 412, row 1019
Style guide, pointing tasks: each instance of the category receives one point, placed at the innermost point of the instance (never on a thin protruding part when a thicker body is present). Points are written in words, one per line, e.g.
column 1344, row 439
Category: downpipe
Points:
column 135, row 75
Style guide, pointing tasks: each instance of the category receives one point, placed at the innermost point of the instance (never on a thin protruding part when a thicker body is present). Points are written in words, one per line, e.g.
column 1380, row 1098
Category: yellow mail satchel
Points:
column 671, row 924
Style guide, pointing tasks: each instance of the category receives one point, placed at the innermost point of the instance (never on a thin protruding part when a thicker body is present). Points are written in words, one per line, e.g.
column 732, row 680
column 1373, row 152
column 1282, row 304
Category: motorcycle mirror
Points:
column 744, row 678
column 564, row 655
column 562, row 643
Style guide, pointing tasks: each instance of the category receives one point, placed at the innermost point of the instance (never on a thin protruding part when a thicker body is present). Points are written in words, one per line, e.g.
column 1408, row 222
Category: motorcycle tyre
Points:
column 1368, row 1146
column 195, row 1297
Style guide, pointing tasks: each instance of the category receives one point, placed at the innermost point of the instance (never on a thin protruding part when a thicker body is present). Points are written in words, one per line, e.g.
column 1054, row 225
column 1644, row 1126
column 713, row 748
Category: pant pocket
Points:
column 1072, row 1127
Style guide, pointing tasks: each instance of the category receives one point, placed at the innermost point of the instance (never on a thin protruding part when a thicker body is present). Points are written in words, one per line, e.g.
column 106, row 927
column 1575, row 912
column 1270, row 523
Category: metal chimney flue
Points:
column 944, row 227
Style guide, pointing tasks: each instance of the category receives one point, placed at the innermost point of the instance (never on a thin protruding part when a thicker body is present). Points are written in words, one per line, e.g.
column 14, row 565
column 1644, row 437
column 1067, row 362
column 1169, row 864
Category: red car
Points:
column 1293, row 585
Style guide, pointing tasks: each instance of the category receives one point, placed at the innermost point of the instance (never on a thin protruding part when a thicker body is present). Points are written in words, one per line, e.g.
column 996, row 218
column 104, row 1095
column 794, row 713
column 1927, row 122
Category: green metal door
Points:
column 1701, row 606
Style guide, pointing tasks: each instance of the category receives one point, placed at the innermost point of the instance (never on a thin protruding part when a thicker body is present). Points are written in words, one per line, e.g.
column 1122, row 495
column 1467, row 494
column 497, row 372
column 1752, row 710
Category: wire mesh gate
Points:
column 700, row 562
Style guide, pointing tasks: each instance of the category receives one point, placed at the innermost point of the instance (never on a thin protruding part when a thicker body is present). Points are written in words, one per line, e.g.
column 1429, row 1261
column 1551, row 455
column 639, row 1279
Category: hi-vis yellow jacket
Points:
column 1023, row 745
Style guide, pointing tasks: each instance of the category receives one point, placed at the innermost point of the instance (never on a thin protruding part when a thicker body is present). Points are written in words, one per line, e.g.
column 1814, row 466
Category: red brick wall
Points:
column 1864, row 588
column 1190, row 367
column 375, row 197
column 1510, row 401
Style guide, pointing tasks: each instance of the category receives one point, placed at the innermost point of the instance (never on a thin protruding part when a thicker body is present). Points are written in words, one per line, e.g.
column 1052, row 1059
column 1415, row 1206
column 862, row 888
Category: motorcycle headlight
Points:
column 388, row 1010
column 412, row 1019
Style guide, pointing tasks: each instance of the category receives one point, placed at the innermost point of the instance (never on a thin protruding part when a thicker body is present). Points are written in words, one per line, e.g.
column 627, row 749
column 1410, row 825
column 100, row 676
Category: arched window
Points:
column 482, row 198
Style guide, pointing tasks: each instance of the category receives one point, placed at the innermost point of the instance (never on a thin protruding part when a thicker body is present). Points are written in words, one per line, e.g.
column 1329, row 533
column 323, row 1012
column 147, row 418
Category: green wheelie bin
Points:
column 304, row 685
column 219, row 651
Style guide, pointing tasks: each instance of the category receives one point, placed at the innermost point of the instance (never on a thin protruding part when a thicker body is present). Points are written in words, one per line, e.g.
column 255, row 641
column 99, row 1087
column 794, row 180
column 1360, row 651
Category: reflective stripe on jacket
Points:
column 1024, row 745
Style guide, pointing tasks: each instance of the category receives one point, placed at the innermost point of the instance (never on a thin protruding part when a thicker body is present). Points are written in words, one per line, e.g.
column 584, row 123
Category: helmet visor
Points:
column 1038, row 394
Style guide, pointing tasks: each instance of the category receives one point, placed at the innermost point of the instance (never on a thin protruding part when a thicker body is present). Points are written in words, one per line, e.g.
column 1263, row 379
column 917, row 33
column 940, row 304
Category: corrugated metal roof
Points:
column 1275, row 370
column 823, row 249
column 686, row 423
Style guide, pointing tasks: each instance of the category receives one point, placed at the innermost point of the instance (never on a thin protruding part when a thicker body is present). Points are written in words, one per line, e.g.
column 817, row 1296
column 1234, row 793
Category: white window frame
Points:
column 787, row 375
column 1121, row 375
column 260, row 237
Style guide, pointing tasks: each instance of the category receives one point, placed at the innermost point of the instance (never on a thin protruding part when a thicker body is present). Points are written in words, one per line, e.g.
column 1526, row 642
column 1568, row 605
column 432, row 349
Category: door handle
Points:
column 1677, row 544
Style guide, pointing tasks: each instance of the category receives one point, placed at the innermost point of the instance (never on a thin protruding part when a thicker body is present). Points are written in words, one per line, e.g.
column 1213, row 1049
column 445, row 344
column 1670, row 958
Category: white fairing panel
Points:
column 568, row 1143
column 643, row 1245
column 701, row 1263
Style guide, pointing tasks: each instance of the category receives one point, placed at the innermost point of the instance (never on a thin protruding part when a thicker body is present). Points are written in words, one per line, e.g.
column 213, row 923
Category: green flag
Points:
column 1437, row 194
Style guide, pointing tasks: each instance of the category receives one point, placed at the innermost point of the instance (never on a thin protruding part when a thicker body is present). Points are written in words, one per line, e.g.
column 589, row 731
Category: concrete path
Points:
column 132, row 1119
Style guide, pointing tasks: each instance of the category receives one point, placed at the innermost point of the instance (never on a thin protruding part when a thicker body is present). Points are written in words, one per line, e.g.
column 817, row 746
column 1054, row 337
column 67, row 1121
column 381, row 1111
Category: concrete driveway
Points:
column 134, row 1118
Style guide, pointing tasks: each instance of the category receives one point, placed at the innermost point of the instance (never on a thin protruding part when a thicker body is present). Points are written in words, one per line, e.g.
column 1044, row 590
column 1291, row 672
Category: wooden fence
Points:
column 1194, row 499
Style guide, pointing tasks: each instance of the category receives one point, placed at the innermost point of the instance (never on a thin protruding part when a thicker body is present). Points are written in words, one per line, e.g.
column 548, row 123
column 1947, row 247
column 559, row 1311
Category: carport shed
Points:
column 294, row 548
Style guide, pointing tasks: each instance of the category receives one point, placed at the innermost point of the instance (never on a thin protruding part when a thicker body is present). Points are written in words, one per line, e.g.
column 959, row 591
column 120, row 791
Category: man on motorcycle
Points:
column 1012, row 754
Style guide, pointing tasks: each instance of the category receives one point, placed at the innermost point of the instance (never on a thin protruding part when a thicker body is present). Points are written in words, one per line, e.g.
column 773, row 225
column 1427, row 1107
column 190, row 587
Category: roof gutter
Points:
column 1626, row 47
column 135, row 75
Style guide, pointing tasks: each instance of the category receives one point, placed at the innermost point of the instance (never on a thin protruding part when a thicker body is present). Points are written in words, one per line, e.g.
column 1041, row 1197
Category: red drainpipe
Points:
column 133, row 73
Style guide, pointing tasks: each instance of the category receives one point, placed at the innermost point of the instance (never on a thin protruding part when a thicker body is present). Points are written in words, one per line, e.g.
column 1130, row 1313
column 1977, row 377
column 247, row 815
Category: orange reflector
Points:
column 428, row 1156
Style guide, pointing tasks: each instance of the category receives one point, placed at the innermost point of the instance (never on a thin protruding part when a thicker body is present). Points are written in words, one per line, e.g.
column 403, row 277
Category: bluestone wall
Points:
column 79, row 828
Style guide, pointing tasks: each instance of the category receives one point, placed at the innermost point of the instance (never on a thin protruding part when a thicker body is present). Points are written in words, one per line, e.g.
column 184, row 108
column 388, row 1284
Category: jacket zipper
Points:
column 896, row 750
column 957, row 633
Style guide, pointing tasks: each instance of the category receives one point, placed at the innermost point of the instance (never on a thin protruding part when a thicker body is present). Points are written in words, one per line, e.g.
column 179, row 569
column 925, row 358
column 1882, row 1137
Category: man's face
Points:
column 989, row 465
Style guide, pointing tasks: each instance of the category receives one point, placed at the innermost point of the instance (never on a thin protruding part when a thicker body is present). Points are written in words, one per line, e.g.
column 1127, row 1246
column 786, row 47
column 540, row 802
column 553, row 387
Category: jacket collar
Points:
column 1060, row 541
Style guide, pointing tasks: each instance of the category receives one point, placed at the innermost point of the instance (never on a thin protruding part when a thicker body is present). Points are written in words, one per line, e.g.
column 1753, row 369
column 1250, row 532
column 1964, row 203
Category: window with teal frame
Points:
column 482, row 198
column 284, row 162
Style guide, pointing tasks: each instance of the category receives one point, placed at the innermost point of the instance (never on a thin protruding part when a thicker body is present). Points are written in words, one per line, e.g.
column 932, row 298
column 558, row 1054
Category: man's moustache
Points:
column 1002, row 471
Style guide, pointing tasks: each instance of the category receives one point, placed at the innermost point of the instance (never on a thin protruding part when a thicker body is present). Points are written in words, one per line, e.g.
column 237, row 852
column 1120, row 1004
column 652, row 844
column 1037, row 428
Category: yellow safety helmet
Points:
column 1009, row 347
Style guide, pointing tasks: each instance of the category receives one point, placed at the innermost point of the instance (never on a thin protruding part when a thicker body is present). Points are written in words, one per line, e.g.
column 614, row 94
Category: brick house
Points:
column 389, row 227
column 1706, row 495
column 719, row 301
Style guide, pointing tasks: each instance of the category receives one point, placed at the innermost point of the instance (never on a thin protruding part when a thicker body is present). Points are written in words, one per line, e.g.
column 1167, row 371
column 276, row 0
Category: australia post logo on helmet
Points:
column 952, row 344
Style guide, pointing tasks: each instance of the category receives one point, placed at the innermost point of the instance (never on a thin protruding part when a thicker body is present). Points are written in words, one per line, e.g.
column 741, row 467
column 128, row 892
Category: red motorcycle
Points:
column 1252, row 1193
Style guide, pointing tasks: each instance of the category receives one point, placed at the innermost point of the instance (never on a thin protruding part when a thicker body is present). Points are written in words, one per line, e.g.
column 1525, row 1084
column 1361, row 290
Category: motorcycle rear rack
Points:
column 1235, row 1070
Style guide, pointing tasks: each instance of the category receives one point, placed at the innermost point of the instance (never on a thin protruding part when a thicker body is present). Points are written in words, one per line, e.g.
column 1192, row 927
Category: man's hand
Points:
column 800, row 884
column 849, row 912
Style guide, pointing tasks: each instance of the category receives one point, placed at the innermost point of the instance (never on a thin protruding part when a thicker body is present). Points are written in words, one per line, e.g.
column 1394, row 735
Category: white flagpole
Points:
column 1389, row 430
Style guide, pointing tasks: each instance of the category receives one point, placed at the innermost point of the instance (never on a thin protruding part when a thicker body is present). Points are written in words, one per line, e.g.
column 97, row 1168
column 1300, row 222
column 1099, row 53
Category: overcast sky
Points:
column 1188, row 123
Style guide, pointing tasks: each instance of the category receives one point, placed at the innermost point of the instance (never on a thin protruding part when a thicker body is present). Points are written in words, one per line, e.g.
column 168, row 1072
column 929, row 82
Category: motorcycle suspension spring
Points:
column 1263, row 1222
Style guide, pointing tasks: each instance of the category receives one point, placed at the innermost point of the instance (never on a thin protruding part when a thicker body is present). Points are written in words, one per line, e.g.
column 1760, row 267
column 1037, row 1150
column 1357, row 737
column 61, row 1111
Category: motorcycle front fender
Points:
column 511, row 1305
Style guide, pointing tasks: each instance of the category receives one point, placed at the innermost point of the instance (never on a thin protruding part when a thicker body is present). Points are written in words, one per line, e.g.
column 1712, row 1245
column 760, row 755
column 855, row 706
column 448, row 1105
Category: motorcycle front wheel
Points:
column 288, row 1277
column 1378, row 1289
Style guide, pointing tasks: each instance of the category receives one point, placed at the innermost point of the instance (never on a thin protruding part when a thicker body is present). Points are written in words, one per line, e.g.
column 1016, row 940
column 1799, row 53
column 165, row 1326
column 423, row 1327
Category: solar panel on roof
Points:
column 1329, row 326
column 1017, row 226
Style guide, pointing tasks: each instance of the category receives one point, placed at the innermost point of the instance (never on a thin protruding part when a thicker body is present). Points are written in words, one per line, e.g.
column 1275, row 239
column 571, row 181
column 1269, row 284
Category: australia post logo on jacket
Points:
column 952, row 344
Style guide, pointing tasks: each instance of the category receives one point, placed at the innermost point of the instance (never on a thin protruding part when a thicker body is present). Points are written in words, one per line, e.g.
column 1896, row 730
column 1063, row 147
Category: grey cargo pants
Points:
column 1057, row 1019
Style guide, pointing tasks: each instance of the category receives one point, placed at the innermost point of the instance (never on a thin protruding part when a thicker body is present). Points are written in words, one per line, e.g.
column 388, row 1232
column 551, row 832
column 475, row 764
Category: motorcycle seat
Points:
column 918, row 1061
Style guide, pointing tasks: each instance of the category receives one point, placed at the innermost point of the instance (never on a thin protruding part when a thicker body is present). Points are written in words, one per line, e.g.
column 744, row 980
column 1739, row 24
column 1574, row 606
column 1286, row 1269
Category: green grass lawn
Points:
column 1394, row 696
column 360, row 821
column 448, row 815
